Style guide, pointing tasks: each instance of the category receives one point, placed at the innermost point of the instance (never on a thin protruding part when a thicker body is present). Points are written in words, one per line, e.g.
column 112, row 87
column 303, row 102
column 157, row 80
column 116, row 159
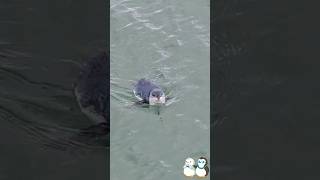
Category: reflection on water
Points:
column 166, row 42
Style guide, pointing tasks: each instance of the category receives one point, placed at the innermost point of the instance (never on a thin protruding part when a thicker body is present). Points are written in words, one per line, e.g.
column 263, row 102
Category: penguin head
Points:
column 189, row 162
column 157, row 96
column 201, row 163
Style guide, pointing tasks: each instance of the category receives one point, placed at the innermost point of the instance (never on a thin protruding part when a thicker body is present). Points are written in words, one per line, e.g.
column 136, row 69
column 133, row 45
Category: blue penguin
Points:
column 202, row 169
column 92, row 91
column 148, row 92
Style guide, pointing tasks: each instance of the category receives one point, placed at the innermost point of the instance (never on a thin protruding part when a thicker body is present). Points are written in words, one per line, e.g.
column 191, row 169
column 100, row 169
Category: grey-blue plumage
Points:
column 92, row 91
column 148, row 92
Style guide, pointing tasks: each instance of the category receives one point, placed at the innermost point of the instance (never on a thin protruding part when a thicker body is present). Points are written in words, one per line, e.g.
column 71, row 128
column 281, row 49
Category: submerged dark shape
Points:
column 92, row 92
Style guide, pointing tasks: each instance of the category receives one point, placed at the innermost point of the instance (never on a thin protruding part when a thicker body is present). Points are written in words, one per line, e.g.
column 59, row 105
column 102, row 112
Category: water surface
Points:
column 168, row 43
column 42, row 45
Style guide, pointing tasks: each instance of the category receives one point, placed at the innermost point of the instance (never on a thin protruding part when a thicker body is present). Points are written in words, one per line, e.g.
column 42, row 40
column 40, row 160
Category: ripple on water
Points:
column 168, row 43
column 46, row 111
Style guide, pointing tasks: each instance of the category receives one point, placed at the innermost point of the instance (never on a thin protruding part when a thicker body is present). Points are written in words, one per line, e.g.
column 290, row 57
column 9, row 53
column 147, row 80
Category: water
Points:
column 42, row 45
column 262, row 89
column 167, row 42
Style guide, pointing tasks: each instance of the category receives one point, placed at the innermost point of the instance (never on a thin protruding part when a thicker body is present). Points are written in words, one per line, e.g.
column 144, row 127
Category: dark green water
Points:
column 42, row 44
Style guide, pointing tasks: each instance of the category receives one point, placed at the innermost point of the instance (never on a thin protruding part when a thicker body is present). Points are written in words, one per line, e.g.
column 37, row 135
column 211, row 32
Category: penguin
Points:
column 147, row 92
column 189, row 167
column 92, row 93
column 202, row 169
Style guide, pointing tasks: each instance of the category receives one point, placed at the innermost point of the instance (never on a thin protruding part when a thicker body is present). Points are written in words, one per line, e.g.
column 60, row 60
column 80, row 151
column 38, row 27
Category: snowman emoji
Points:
column 189, row 167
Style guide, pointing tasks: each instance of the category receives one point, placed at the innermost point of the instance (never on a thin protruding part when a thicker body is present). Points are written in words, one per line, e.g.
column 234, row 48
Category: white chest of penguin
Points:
column 201, row 172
